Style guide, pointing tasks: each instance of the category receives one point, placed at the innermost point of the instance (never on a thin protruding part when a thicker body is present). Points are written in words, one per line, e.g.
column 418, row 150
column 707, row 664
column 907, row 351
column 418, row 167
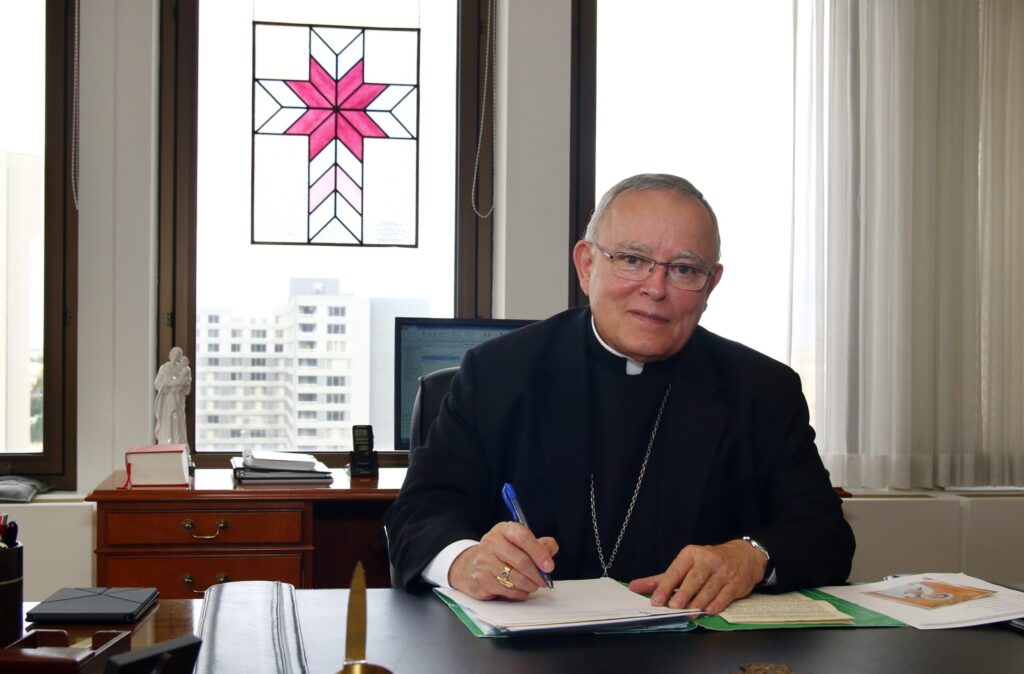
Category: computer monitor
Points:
column 425, row 345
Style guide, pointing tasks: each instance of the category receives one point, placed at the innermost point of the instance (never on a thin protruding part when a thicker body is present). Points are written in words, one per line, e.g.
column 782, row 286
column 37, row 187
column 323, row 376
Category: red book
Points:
column 156, row 466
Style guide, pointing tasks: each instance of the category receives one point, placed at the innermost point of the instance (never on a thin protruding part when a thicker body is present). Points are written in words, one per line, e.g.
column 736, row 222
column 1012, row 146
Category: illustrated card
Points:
column 931, row 594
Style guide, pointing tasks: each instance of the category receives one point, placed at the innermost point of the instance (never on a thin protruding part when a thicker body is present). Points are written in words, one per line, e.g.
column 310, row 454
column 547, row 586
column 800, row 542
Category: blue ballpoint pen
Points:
column 508, row 493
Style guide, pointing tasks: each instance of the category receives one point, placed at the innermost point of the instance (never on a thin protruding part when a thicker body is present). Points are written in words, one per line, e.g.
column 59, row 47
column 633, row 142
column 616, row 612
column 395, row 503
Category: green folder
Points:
column 862, row 617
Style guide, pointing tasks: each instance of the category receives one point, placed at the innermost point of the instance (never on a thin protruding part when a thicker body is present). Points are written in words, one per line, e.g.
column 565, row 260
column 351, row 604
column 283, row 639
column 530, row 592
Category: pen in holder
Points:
column 11, row 610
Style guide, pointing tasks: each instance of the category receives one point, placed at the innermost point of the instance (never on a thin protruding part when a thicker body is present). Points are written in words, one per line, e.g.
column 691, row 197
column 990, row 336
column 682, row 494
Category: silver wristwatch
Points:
column 769, row 567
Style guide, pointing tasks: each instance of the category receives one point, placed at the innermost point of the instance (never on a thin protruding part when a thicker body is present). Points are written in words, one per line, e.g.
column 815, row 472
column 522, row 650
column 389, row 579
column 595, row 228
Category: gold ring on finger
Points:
column 503, row 579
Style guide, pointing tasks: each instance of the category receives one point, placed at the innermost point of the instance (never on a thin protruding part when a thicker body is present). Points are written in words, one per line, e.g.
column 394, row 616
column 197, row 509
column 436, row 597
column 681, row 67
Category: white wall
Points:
column 116, row 232
column 993, row 547
column 58, row 540
column 935, row 531
column 531, row 242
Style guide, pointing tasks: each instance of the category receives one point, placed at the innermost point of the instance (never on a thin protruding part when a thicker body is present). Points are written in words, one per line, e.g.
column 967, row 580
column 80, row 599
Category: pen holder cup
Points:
column 11, row 583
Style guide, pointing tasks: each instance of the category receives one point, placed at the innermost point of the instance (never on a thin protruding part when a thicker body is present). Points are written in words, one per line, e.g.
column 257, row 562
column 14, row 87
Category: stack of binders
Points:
column 267, row 467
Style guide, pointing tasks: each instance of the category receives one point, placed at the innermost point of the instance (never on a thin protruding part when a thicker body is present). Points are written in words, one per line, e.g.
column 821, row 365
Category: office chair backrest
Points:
column 432, row 390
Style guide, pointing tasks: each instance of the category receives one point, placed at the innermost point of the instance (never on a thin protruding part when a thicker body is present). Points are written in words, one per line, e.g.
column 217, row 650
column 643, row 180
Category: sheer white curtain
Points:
column 909, row 225
column 1001, row 232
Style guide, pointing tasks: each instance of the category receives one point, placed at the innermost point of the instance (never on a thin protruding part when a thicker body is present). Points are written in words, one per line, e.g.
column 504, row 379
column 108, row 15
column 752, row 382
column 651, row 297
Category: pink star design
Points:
column 335, row 109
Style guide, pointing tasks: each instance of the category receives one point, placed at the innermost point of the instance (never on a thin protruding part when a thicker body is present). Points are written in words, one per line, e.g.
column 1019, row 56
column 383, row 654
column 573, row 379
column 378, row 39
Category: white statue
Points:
column 173, row 383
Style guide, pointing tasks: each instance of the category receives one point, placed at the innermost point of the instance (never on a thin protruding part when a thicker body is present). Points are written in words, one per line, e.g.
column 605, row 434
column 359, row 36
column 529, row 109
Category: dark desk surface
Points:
column 419, row 634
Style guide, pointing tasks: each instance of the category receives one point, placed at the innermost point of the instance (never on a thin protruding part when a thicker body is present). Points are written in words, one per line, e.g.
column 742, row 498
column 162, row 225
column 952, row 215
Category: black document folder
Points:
column 94, row 605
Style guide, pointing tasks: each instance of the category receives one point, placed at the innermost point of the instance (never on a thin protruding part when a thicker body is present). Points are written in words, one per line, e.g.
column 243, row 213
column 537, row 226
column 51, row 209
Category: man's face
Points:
column 648, row 320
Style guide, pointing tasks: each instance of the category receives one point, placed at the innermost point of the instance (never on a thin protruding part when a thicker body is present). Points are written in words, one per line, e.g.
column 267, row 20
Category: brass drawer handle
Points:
column 188, row 525
column 187, row 579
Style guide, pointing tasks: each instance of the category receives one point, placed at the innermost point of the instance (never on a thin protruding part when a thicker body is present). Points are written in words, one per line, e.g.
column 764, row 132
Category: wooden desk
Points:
column 415, row 634
column 182, row 540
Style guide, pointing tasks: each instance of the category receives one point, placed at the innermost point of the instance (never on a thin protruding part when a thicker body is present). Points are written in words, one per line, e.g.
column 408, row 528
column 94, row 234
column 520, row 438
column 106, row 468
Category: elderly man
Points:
column 642, row 446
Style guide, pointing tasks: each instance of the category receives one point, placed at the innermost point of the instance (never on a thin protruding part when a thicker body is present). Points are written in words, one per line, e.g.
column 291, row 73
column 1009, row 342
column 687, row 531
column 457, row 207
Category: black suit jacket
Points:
column 743, row 460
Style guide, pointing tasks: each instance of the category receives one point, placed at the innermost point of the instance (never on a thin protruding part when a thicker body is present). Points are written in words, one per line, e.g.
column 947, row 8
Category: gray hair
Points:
column 652, row 181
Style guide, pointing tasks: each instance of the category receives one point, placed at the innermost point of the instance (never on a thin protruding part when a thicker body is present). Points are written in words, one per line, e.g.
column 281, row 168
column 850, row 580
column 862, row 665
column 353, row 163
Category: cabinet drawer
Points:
column 187, row 576
column 197, row 527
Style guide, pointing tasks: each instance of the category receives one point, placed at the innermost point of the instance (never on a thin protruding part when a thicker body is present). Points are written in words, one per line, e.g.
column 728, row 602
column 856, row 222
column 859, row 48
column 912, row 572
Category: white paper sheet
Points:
column 936, row 600
column 572, row 602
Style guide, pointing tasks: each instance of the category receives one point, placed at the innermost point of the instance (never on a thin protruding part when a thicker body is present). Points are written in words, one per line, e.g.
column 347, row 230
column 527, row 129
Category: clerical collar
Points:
column 632, row 366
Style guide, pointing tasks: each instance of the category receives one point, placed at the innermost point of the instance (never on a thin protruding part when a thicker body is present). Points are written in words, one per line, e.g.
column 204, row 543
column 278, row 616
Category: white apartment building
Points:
column 297, row 380
column 21, row 283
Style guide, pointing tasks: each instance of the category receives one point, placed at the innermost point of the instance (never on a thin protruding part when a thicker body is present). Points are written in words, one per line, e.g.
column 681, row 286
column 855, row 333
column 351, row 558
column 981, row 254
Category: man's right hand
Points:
column 476, row 571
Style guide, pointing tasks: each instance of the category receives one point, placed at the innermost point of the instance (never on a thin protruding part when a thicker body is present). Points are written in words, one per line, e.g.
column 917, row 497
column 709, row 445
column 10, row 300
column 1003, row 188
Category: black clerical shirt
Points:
column 625, row 408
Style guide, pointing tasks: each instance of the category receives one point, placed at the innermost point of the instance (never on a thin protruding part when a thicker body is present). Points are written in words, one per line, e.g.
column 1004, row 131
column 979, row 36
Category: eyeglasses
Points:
column 634, row 267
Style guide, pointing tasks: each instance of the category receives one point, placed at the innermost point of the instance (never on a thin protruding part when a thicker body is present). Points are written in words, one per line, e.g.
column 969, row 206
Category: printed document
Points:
column 789, row 608
column 935, row 600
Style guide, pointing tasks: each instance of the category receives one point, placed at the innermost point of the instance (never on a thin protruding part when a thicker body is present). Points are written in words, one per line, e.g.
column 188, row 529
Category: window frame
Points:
column 179, row 56
column 57, row 464
column 582, row 131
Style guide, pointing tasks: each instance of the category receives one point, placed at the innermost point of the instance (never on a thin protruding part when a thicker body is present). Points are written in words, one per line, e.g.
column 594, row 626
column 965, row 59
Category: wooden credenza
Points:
column 182, row 540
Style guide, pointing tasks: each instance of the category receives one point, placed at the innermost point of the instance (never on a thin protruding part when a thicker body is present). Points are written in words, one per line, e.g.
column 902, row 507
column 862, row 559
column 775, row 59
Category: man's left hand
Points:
column 708, row 577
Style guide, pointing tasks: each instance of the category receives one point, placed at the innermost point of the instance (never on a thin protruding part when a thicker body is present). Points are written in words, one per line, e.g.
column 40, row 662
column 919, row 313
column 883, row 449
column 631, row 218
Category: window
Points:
column 259, row 362
column 336, row 311
column 335, row 398
column 335, row 329
column 38, row 221
column 307, row 380
column 307, row 327
column 259, row 348
column 741, row 161
column 306, row 414
column 259, row 334
column 336, row 381
column 307, row 311
column 213, row 333
column 336, row 416
column 279, row 348
column 308, row 362
column 307, row 397
column 182, row 83
column 213, row 348
column 236, row 348
column 306, row 345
